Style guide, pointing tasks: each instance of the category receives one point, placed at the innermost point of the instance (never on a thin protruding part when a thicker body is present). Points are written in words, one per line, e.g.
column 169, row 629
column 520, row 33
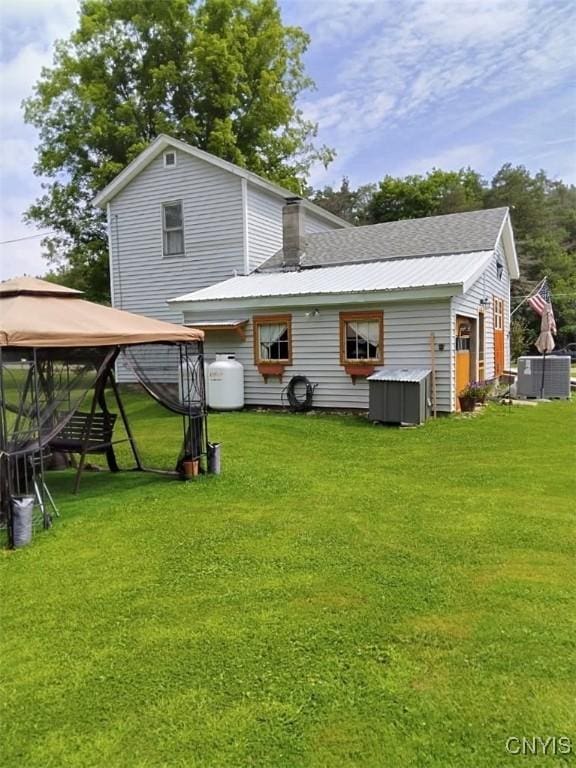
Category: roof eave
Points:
column 163, row 140
column 506, row 235
column 471, row 278
column 412, row 293
column 131, row 171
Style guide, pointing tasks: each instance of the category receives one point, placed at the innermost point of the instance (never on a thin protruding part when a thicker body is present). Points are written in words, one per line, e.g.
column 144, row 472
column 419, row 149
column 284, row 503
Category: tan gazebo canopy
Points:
column 56, row 349
column 36, row 313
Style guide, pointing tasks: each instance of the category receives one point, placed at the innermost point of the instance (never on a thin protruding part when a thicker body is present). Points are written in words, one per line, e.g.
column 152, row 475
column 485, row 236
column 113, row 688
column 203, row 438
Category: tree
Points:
column 436, row 193
column 223, row 75
column 351, row 205
column 543, row 213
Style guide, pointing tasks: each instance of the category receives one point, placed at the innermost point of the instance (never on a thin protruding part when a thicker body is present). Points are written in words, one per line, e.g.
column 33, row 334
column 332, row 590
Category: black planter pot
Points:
column 467, row 404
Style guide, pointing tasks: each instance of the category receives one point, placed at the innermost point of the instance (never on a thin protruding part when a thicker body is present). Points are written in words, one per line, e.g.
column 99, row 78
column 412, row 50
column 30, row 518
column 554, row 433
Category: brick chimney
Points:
column 293, row 232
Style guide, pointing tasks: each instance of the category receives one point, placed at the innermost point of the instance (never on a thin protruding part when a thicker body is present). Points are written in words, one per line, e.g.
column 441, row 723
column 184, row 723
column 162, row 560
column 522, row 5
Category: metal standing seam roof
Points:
column 219, row 323
column 433, row 235
column 390, row 275
column 400, row 374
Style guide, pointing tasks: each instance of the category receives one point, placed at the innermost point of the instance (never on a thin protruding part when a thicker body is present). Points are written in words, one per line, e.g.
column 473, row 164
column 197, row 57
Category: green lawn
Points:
column 344, row 595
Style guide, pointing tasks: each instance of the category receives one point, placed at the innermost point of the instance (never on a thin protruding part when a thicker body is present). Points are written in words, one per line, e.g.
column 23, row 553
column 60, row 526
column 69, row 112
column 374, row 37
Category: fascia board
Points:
column 162, row 141
column 320, row 299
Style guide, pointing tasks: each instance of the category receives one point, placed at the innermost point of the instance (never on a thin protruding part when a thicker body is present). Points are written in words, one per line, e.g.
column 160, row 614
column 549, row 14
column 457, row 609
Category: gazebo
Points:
column 57, row 351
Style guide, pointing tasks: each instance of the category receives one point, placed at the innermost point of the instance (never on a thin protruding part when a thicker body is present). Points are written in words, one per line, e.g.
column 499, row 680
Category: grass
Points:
column 343, row 595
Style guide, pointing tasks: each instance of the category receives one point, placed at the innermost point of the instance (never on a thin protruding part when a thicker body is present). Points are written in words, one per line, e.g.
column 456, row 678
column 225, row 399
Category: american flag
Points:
column 541, row 301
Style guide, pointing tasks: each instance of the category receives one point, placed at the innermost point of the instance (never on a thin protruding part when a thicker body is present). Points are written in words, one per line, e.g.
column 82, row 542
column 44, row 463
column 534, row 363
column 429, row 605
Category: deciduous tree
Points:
column 223, row 75
column 436, row 193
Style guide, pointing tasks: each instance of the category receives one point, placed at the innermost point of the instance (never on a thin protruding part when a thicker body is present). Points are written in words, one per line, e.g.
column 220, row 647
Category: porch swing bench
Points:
column 88, row 433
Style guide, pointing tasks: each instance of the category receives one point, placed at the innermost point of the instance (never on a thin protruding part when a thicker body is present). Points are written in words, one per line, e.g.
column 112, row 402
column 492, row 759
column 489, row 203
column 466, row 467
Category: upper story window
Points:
column 170, row 159
column 173, row 229
column 499, row 269
column 273, row 339
column 361, row 337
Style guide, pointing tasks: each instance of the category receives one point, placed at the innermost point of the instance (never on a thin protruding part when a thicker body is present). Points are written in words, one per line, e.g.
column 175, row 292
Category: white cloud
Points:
column 29, row 29
column 450, row 65
column 441, row 69
column 477, row 156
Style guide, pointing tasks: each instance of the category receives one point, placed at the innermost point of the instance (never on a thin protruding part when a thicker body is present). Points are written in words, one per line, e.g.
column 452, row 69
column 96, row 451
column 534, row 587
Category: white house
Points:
column 333, row 306
column 180, row 219
column 291, row 289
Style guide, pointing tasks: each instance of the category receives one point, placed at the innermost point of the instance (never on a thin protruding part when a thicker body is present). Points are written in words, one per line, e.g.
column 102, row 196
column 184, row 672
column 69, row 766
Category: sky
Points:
column 402, row 86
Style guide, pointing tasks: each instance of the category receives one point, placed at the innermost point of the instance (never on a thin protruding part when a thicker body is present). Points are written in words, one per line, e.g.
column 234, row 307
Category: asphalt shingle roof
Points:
column 432, row 236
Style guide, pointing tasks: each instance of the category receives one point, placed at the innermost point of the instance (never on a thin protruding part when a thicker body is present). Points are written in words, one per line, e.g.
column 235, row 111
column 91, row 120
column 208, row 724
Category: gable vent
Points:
column 169, row 159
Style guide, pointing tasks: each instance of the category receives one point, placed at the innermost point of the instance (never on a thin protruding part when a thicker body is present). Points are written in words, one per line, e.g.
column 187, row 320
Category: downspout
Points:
column 245, row 234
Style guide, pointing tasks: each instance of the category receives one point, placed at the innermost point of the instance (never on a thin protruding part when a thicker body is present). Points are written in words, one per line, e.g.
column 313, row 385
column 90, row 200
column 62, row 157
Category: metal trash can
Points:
column 214, row 465
column 22, row 512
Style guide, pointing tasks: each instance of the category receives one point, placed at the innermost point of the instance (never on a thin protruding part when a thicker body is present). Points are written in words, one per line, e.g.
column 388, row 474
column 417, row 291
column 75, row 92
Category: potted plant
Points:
column 474, row 392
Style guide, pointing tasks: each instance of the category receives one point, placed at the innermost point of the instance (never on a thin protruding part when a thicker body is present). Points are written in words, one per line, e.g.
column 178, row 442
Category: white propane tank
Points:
column 226, row 384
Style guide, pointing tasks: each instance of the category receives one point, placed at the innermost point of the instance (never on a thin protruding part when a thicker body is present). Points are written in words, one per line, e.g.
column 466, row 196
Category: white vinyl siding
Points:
column 143, row 278
column 317, row 224
column 316, row 350
column 468, row 304
column 265, row 225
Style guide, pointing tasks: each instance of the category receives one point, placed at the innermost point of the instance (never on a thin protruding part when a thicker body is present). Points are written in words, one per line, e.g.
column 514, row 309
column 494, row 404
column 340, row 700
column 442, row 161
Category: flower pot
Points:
column 467, row 404
column 190, row 468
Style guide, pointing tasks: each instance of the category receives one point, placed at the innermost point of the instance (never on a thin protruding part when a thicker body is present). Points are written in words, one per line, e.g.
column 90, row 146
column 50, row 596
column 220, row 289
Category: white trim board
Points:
column 320, row 299
column 163, row 141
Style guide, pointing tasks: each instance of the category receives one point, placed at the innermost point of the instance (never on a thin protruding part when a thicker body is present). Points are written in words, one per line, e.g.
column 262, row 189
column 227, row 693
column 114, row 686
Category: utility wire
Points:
column 28, row 237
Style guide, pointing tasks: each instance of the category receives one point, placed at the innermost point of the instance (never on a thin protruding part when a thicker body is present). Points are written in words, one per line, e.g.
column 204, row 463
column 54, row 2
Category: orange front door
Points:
column 498, row 336
column 463, row 334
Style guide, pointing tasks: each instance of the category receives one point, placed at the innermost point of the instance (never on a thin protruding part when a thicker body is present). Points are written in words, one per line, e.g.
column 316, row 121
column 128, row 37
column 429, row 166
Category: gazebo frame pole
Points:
column 46, row 517
column 124, row 417
column 5, row 468
column 98, row 386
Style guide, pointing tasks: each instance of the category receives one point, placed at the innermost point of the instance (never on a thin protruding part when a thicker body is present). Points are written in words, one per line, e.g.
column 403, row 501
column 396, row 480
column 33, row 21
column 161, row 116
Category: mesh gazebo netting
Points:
column 58, row 352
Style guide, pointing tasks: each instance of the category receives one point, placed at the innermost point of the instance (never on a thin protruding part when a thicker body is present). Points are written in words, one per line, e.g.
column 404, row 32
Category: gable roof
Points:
column 452, row 273
column 431, row 236
column 163, row 142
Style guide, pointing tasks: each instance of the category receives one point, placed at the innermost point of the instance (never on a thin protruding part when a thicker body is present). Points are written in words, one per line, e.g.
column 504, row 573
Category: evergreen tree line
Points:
column 543, row 213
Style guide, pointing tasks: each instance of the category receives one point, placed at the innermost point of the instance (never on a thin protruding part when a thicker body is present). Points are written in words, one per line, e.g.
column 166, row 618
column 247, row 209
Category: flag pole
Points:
column 525, row 299
column 543, row 374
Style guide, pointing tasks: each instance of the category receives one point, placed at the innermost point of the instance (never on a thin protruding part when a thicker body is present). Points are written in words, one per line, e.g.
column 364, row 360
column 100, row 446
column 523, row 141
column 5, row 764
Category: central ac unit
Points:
column 546, row 376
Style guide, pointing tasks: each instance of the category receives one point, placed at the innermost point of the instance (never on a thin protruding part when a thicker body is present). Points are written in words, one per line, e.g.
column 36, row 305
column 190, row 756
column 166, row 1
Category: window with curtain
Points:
column 361, row 337
column 273, row 339
column 173, row 229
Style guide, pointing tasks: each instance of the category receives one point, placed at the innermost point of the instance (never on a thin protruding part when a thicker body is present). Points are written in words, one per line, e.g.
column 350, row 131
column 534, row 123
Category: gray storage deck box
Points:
column 400, row 395
column 544, row 377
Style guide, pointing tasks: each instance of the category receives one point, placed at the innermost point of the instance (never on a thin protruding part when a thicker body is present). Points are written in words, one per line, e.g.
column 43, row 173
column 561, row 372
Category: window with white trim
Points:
column 173, row 229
